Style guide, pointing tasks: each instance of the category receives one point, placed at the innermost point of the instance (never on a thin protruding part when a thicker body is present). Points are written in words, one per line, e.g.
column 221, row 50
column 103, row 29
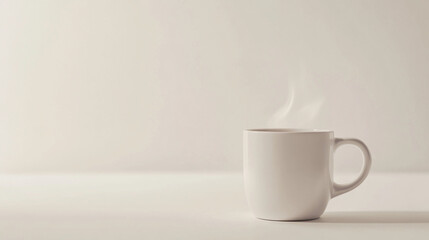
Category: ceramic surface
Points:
column 288, row 172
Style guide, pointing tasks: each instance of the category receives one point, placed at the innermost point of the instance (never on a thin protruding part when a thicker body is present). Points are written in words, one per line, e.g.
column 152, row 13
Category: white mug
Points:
column 288, row 172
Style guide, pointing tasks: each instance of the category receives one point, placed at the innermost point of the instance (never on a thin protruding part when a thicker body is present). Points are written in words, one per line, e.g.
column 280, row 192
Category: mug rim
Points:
column 287, row 130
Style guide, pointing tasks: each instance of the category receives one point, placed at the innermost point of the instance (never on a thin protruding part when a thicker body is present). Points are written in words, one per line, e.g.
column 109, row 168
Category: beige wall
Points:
column 169, row 85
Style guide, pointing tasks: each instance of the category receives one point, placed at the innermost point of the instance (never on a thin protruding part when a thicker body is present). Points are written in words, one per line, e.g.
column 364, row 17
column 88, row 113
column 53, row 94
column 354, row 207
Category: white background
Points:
column 169, row 85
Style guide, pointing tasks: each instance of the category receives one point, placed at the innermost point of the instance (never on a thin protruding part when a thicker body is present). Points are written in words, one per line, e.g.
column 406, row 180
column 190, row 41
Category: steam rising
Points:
column 302, row 105
column 282, row 113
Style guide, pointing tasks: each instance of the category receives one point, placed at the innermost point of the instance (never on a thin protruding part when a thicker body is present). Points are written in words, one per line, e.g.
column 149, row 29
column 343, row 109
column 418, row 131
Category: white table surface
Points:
column 198, row 206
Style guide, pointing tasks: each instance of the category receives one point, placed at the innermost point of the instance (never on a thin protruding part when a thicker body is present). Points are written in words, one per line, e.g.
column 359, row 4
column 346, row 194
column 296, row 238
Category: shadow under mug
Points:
column 288, row 173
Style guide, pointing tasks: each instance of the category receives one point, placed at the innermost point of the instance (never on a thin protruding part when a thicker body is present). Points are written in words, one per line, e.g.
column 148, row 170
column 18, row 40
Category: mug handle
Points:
column 339, row 189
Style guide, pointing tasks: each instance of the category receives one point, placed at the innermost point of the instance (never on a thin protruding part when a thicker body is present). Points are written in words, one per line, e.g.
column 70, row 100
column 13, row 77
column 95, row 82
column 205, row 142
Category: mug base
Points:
column 289, row 220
